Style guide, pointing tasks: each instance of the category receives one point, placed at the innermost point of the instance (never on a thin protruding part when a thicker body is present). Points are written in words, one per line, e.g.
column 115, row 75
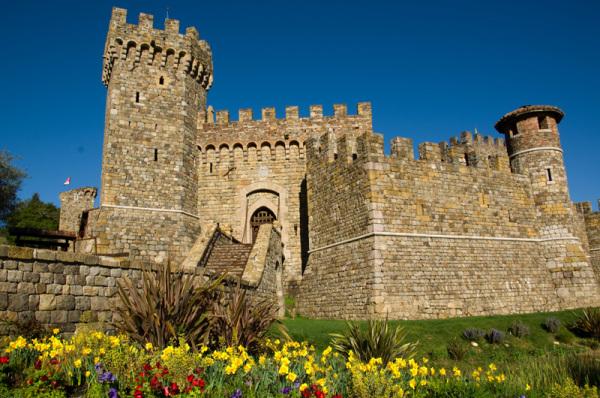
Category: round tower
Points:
column 534, row 150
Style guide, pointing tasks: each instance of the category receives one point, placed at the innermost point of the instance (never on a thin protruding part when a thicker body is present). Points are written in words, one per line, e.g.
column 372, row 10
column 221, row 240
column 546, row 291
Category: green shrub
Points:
column 473, row 334
column 241, row 320
column 494, row 336
column 457, row 349
column 166, row 306
column 518, row 329
column 551, row 324
column 570, row 390
column 588, row 323
column 564, row 336
column 379, row 340
column 584, row 368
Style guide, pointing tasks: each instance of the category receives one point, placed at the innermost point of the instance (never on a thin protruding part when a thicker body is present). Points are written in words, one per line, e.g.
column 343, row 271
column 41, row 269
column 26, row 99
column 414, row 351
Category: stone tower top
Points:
column 509, row 120
column 168, row 47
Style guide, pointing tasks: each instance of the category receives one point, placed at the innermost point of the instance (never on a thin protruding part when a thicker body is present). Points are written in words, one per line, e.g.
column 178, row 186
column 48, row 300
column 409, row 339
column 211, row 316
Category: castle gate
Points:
column 262, row 215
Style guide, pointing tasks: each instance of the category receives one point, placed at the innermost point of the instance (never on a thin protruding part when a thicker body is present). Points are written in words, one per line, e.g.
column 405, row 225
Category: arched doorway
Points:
column 262, row 215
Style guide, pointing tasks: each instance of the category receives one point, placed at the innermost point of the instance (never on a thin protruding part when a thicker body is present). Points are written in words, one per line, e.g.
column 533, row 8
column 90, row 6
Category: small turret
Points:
column 534, row 149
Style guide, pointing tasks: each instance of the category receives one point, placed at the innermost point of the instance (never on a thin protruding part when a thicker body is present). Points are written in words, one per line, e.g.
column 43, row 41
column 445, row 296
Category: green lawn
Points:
column 433, row 336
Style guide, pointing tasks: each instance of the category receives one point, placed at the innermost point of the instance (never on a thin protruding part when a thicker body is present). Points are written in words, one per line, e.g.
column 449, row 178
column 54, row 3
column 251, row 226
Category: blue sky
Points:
column 431, row 69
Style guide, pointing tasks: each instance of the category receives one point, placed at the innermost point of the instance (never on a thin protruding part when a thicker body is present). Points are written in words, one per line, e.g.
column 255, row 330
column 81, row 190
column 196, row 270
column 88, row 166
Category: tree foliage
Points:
column 34, row 213
column 11, row 178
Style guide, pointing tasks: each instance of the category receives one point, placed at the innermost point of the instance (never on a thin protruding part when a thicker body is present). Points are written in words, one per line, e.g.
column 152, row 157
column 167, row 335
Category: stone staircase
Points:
column 228, row 256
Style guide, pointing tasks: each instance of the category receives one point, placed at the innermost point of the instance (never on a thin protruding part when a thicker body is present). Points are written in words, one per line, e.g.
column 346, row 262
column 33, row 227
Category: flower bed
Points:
column 111, row 366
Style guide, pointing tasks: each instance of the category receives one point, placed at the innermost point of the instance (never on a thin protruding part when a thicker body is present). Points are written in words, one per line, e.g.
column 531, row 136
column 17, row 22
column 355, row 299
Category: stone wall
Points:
column 61, row 289
column 251, row 163
column 431, row 238
column 72, row 205
column 592, row 227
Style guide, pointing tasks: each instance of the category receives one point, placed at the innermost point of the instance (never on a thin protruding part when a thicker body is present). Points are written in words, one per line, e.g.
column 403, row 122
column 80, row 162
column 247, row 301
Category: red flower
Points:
column 190, row 378
column 319, row 394
column 337, row 396
column 166, row 392
column 154, row 383
column 174, row 388
column 54, row 361
column 147, row 367
column 164, row 372
column 5, row 360
column 306, row 393
column 44, row 378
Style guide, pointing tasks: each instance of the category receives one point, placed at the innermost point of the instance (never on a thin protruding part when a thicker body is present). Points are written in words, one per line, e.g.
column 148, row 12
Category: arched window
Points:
column 262, row 215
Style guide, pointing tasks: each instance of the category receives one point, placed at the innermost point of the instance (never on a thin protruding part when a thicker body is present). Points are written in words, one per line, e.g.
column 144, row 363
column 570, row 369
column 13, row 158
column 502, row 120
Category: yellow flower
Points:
column 283, row 370
column 423, row 382
column 55, row 331
column 527, row 387
column 291, row 377
column 77, row 363
column 492, row 367
column 262, row 359
column 303, row 387
column 149, row 346
column 412, row 383
column 86, row 351
column 247, row 367
column 400, row 392
column 102, row 351
column 414, row 371
column 423, row 371
column 87, row 373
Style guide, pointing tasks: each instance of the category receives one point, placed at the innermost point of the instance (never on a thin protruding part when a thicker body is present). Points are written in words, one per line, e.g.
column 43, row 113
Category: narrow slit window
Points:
column 211, row 168
column 354, row 156
column 137, row 97
column 155, row 155
column 467, row 159
column 549, row 174
column 161, row 81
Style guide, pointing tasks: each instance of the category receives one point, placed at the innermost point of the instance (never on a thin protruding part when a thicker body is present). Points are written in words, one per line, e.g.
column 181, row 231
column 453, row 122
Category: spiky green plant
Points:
column 588, row 323
column 166, row 306
column 239, row 320
column 378, row 340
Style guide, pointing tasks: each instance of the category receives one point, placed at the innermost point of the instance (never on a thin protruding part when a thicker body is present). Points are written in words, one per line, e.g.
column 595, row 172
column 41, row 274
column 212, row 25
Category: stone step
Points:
column 228, row 257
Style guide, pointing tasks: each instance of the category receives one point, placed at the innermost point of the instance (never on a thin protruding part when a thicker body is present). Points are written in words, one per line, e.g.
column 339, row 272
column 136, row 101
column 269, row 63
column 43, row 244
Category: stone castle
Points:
column 312, row 207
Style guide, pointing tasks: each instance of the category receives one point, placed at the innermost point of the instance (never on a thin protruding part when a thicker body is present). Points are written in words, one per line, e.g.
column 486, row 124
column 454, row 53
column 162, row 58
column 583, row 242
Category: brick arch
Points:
column 281, row 212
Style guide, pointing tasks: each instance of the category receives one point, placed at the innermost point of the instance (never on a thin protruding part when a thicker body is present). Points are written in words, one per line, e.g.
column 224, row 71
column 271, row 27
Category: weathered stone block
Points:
column 47, row 302
column 18, row 302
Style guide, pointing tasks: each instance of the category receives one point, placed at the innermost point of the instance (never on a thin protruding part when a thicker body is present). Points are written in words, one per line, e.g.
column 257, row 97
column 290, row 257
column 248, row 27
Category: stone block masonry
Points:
column 473, row 226
column 62, row 289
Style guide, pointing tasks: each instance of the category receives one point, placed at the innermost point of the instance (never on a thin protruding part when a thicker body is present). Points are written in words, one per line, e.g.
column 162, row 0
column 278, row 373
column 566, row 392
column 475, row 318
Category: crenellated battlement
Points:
column 167, row 48
column 471, row 151
column 292, row 113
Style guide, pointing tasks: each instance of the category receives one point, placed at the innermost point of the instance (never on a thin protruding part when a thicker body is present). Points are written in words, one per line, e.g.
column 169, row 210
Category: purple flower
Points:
column 286, row 390
column 112, row 393
column 237, row 394
column 106, row 377
column 98, row 366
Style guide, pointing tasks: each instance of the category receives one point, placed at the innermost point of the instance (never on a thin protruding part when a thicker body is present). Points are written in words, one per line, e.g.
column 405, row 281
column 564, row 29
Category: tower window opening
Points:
column 514, row 131
column 161, row 81
column 137, row 97
column 543, row 122
column 467, row 159
column 211, row 168
column 549, row 174
column 335, row 156
column 155, row 154
column 354, row 156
